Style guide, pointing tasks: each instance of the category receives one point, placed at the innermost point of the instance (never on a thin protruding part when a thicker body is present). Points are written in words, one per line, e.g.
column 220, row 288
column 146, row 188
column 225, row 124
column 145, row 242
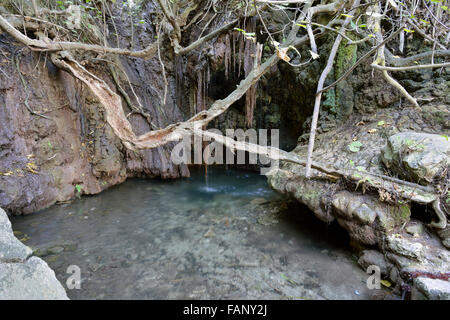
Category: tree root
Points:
column 442, row 222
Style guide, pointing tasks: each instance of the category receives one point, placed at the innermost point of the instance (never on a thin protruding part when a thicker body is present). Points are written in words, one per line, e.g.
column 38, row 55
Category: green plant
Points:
column 355, row 146
column 78, row 188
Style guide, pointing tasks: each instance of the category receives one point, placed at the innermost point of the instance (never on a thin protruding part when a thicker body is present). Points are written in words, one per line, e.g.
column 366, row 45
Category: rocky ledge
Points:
column 408, row 241
column 23, row 276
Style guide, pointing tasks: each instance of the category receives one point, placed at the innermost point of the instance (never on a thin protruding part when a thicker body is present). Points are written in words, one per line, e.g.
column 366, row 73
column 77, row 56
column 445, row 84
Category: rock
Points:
column 11, row 249
column 404, row 247
column 258, row 201
column 373, row 257
column 420, row 156
column 415, row 229
column 446, row 242
column 351, row 206
column 416, row 294
column 394, row 274
column 434, row 289
column 444, row 234
column 21, row 276
column 308, row 192
column 359, row 232
column 210, row 233
column 32, row 279
column 55, row 250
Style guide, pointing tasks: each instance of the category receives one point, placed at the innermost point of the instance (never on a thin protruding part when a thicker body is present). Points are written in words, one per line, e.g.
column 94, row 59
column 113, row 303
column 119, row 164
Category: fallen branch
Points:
column 421, row 66
column 398, row 62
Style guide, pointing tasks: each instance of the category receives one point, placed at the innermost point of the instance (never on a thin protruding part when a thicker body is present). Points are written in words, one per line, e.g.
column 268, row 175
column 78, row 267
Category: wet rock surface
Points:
column 21, row 275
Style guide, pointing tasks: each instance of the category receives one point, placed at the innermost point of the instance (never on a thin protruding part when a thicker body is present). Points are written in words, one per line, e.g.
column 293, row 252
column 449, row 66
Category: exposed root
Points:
column 442, row 222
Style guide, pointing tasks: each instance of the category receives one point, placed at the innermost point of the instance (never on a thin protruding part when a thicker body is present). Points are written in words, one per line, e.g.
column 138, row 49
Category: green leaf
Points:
column 381, row 123
column 355, row 146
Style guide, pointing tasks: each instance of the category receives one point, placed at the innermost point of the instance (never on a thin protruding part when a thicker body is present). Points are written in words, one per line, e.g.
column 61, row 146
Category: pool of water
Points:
column 225, row 237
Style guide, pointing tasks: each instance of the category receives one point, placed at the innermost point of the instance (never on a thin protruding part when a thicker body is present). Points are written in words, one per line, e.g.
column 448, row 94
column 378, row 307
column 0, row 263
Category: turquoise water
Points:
column 225, row 237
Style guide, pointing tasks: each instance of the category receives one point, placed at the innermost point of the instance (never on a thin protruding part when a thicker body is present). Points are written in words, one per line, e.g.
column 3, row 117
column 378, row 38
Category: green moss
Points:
column 330, row 100
column 308, row 194
column 345, row 58
column 401, row 214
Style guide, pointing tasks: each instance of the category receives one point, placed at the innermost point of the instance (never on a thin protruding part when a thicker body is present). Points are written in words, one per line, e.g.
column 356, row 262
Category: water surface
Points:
column 225, row 237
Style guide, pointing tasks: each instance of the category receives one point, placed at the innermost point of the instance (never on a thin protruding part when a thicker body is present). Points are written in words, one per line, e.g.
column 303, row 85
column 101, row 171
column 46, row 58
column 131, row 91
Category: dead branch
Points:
column 49, row 45
column 421, row 66
column 380, row 60
column 362, row 59
column 322, row 79
column 398, row 62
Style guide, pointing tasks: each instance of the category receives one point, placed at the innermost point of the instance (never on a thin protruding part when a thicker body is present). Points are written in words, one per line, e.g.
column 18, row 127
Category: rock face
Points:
column 22, row 276
column 420, row 157
column 409, row 252
column 72, row 151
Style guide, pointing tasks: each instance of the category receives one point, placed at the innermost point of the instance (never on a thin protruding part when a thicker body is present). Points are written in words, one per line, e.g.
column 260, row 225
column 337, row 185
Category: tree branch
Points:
column 422, row 66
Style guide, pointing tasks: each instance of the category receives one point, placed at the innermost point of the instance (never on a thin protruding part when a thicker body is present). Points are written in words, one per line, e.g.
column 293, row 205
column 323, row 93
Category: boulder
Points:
column 373, row 257
column 354, row 206
column 434, row 289
column 444, row 234
column 404, row 247
column 421, row 157
column 11, row 249
column 31, row 280
column 22, row 276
